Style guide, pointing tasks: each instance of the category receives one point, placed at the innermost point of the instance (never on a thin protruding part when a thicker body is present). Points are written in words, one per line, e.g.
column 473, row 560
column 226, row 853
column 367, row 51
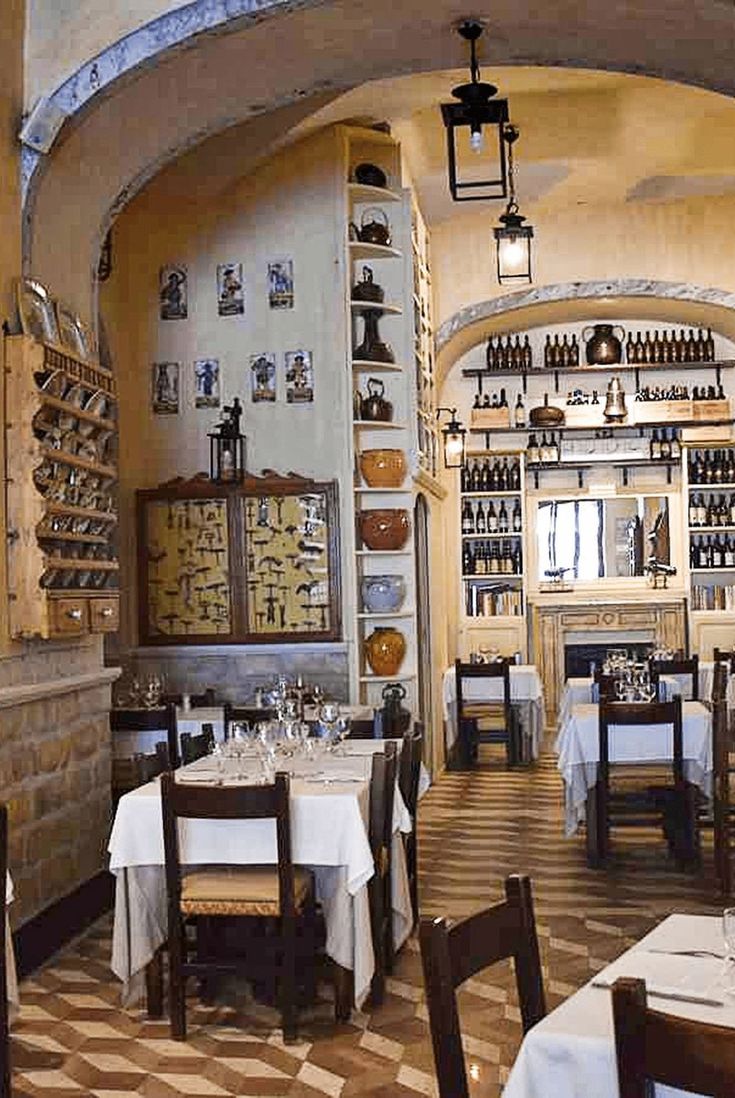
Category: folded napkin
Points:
column 669, row 976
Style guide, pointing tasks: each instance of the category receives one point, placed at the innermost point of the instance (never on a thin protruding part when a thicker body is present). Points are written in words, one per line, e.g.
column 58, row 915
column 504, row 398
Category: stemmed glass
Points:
column 728, row 932
column 329, row 717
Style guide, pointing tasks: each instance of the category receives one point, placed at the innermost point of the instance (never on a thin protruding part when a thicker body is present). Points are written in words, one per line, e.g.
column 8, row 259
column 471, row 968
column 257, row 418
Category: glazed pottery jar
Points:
column 384, row 651
column 382, row 594
column 385, row 528
column 383, row 468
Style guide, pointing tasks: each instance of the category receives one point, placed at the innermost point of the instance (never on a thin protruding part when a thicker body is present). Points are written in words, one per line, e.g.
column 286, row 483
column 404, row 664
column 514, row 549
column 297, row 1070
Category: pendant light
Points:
column 481, row 118
column 454, row 435
column 512, row 237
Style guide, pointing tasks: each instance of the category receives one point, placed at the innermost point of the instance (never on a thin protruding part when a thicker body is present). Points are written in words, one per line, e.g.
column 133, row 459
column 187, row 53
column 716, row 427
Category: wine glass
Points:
column 328, row 716
column 728, row 932
column 342, row 731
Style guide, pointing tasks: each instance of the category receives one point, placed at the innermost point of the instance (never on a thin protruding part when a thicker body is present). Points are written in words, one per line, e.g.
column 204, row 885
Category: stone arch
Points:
column 677, row 302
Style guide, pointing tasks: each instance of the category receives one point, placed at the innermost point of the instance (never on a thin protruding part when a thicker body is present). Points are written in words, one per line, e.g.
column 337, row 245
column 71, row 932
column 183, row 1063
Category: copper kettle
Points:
column 374, row 231
column 374, row 406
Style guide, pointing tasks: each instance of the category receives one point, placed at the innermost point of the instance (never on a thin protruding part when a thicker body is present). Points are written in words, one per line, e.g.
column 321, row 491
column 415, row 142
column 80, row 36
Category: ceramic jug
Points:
column 604, row 348
column 384, row 650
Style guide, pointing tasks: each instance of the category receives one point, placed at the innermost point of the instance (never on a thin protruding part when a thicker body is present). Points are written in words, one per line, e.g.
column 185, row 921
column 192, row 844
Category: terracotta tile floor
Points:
column 73, row 1039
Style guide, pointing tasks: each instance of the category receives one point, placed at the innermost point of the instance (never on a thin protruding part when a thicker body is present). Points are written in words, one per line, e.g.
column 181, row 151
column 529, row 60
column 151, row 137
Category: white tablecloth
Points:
column 578, row 748
column 10, row 973
column 571, row 1052
column 526, row 693
column 329, row 834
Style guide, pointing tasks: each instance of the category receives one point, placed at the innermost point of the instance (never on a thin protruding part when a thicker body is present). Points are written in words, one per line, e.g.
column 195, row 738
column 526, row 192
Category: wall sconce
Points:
column 484, row 120
column 454, row 435
column 512, row 237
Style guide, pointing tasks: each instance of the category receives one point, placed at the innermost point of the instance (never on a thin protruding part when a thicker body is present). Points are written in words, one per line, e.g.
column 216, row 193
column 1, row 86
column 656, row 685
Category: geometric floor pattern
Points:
column 73, row 1038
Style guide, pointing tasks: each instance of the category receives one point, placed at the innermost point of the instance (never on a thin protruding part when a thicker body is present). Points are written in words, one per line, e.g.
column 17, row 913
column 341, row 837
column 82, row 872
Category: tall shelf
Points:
column 390, row 267
column 427, row 427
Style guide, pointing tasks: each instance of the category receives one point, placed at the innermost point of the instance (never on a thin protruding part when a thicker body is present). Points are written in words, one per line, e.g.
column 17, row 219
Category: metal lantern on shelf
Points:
column 483, row 119
column 227, row 447
column 512, row 237
column 453, row 436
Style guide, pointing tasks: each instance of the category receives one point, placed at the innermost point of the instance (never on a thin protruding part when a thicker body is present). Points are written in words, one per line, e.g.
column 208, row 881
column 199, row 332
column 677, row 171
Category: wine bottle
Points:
column 519, row 413
column 526, row 354
column 480, row 522
column 532, row 451
column 517, row 519
column 468, row 522
column 655, row 446
column 503, row 519
column 492, row 518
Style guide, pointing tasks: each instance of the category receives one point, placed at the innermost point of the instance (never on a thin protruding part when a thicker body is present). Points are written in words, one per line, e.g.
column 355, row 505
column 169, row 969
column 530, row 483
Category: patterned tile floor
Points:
column 73, row 1039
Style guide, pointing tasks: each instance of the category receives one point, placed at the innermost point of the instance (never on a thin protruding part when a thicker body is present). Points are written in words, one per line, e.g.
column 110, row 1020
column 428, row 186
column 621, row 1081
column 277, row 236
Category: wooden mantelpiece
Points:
column 554, row 625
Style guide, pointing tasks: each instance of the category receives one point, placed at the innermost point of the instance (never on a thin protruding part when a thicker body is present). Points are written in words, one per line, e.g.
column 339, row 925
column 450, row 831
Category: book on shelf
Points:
column 715, row 597
column 493, row 600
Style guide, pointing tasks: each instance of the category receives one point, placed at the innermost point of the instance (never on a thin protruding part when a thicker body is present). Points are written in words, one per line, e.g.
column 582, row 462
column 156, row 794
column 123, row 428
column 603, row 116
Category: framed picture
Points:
column 299, row 377
column 230, row 289
column 280, row 283
column 206, row 383
column 36, row 311
column 173, row 292
column 263, row 377
column 253, row 562
column 165, row 388
column 291, row 540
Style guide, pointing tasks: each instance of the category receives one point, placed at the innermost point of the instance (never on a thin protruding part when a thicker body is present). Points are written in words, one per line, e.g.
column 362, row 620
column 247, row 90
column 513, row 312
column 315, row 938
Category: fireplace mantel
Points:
column 616, row 622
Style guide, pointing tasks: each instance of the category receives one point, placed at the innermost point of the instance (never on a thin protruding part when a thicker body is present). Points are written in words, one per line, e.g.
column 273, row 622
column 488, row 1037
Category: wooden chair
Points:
column 195, row 747
column 162, row 719
column 362, row 729
column 380, row 893
column 720, row 655
column 282, row 894
column 605, row 685
column 722, row 817
column 452, row 953
column 408, row 782
column 677, row 667
column 5, row 1089
column 637, row 807
column 251, row 714
column 499, row 719
column 652, row 1047
column 131, row 771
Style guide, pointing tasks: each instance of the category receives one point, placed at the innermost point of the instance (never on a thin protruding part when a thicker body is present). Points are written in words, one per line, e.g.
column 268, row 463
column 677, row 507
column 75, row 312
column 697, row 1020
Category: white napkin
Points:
column 688, row 979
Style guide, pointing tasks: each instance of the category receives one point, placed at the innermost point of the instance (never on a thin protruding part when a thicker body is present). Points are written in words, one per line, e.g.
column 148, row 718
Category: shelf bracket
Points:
column 479, row 384
column 637, row 376
column 535, row 479
column 625, row 476
column 487, row 440
column 525, row 383
column 556, row 381
column 718, row 375
column 669, row 471
column 580, row 478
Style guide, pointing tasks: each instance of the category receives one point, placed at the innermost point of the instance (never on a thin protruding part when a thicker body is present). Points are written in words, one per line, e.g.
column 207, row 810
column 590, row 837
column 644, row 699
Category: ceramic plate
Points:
column 36, row 311
column 71, row 335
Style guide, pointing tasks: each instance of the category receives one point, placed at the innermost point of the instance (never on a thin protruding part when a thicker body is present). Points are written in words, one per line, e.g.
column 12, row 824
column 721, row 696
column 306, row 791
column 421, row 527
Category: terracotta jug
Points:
column 384, row 650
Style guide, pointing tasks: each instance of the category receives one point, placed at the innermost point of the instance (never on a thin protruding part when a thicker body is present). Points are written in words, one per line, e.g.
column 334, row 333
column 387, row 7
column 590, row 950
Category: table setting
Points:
column 688, row 963
column 330, row 796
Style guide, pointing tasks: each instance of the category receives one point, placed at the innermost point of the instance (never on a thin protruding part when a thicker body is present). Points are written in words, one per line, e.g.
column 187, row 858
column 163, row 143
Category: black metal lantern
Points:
column 512, row 237
column 227, row 447
column 483, row 119
column 454, row 435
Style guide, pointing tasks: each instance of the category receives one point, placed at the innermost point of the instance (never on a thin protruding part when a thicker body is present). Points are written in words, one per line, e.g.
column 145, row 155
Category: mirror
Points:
column 590, row 539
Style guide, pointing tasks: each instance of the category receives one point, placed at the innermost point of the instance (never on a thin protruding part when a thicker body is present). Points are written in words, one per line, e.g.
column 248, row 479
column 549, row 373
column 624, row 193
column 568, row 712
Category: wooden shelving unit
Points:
column 62, row 516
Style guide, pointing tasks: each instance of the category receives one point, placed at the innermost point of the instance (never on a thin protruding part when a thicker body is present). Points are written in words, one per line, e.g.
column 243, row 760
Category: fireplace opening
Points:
column 580, row 658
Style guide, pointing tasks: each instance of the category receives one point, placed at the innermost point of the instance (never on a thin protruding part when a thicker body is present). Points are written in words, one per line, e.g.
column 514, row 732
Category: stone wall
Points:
column 54, row 769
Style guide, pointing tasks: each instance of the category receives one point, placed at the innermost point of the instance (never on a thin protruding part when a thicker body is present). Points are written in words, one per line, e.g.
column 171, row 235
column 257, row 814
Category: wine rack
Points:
column 492, row 524
column 711, row 528
column 62, row 507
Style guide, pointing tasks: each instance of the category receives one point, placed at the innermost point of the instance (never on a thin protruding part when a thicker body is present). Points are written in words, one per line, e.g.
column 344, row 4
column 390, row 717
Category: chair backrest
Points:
column 249, row 802
column 499, row 669
column 613, row 714
column 5, row 1089
column 195, row 746
column 719, row 681
column 451, row 953
column 362, row 729
column 605, row 684
column 663, row 1048
column 410, row 767
column 161, row 719
column 131, row 771
column 688, row 667
column 249, row 713
column 720, row 655
column 382, row 795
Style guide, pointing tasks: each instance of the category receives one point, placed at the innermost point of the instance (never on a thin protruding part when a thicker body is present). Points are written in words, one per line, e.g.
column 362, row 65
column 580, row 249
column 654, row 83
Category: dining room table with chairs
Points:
column 330, row 810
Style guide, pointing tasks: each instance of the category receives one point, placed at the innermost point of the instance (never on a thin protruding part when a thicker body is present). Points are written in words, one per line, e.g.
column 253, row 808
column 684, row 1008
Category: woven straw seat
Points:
column 240, row 890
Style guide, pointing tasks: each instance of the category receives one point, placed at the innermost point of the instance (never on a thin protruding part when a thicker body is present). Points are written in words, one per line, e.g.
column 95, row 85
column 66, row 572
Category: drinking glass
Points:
column 728, row 932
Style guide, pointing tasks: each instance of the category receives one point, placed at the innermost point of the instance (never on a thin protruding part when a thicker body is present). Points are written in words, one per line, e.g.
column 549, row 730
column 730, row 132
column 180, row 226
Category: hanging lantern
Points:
column 477, row 121
column 512, row 237
column 454, row 436
column 227, row 447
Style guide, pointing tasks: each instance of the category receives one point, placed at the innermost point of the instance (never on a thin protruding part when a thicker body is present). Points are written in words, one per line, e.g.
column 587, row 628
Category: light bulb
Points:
column 476, row 141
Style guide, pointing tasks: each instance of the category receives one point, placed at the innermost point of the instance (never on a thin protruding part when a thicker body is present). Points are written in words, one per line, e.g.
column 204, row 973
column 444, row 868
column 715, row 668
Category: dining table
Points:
column 526, row 697
column 571, row 1052
column 578, row 749
column 330, row 795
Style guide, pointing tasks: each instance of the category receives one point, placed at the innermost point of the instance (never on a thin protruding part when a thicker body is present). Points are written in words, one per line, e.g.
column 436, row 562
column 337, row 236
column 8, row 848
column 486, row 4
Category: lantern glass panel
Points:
column 476, row 173
column 514, row 254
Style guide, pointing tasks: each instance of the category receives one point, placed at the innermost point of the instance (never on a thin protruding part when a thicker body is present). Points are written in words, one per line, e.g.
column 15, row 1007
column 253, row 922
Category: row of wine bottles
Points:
column 500, row 400
column 710, row 511
column 543, row 451
column 485, row 558
column 501, row 475
column 713, row 551
column 481, row 520
column 666, row 445
column 508, row 353
column 712, row 467
column 689, row 346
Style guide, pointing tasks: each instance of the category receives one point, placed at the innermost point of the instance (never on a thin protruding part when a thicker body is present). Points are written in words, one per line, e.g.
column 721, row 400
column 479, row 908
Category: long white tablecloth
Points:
column 578, row 690
column 10, row 972
column 578, row 747
column 526, row 693
column 329, row 834
column 571, row 1052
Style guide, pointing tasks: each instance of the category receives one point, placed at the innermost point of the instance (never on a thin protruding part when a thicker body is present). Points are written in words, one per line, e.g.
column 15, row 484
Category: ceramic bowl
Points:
column 383, row 468
column 382, row 594
column 385, row 528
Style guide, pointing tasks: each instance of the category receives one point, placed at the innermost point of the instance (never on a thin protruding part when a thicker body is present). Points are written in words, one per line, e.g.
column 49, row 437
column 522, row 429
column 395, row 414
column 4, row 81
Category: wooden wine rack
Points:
column 61, row 559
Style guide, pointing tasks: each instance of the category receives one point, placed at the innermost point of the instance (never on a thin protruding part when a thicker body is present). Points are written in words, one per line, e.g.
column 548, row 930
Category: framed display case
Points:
column 253, row 562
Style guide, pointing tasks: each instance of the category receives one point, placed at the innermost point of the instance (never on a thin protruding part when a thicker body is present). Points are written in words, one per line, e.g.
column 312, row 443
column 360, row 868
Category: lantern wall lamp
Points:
column 454, row 435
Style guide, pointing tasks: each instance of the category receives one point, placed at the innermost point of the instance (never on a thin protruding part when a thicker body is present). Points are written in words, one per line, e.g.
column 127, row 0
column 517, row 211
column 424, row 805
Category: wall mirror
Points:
column 590, row 539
